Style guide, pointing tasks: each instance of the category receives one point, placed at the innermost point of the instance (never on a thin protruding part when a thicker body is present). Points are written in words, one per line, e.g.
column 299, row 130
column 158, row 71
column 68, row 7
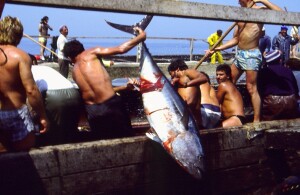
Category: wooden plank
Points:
column 240, row 179
column 138, row 178
column 292, row 156
column 103, row 154
column 138, row 164
column 52, row 185
column 227, row 139
column 289, row 138
column 45, row 161
column 234, row 158
column 183, row 9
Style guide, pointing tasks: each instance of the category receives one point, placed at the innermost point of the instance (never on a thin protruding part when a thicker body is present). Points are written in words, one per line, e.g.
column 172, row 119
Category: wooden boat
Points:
column 250, row 159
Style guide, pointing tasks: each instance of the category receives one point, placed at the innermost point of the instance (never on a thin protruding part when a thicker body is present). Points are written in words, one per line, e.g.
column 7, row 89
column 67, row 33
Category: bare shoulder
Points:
column 226, row 86
column 193, row 73
column 223, row 85
column 15, row 54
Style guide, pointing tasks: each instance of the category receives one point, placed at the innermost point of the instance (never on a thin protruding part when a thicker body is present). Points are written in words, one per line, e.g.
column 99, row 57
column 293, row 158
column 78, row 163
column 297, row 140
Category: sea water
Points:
column 155, row 46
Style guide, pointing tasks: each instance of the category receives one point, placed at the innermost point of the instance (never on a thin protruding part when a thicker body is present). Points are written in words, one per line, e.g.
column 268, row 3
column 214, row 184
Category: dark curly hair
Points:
column 72, row 49
column 226, row 68
column 177, row 64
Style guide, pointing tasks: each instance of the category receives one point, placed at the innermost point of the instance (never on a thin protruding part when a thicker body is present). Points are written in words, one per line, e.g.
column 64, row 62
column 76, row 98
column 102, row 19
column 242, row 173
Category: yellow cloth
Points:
column 212, row 39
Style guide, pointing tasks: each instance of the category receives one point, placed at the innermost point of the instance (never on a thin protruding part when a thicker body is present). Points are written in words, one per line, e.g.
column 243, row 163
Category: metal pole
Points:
column 191, row 48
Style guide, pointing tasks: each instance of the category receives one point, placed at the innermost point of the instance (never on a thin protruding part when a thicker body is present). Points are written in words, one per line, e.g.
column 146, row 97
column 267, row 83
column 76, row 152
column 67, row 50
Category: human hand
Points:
column 174, row 81
column 209, row 52
column 133, row 83
column 140, row 32
column 43, row 125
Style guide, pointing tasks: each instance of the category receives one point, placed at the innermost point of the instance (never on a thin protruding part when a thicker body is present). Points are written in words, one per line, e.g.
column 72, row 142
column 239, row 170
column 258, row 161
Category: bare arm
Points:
column 124, row 47
column 221, row 93
column 40, row 27
column 232, row 42
column 196, row 78
column 32, row 91
column 268, row 4
column 49, row 27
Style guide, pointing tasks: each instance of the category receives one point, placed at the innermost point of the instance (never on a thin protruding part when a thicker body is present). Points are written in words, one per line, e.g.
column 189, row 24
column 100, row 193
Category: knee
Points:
column 252, row 89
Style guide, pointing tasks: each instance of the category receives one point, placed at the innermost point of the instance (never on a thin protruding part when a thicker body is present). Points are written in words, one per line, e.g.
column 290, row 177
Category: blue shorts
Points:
column 248, row 59
column 17, row 124
column 211, row 115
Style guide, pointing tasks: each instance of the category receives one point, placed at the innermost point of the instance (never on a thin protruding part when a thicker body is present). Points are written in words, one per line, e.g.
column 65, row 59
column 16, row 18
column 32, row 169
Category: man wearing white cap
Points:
column 278, row 89
column 62, row 61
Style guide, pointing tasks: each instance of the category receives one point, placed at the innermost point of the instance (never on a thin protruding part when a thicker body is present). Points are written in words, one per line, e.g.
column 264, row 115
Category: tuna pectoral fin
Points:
column 152, row 135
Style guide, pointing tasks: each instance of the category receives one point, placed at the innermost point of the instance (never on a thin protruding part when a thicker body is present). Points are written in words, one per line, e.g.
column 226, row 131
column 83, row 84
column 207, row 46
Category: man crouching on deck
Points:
column 248, row 58
column 231, row 102
column 106, row 112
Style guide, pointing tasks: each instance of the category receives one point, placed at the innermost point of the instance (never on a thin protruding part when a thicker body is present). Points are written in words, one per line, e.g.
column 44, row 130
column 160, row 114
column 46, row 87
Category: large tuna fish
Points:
column 168, row 115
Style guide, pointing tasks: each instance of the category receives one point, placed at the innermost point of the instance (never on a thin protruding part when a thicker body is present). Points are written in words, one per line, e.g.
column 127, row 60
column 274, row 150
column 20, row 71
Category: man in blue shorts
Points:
column 248, row 59
column 17, row 87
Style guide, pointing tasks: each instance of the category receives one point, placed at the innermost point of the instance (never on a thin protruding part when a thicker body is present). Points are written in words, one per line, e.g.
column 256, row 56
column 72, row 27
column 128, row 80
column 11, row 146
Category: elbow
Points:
column 31, row 91
column 122, row 50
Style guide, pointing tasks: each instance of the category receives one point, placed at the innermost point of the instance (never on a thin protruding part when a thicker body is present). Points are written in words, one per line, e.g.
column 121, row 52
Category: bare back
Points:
column 92, row 78
column 189, row 94
column 208, row 94
column 15, row 76
column 230, row 100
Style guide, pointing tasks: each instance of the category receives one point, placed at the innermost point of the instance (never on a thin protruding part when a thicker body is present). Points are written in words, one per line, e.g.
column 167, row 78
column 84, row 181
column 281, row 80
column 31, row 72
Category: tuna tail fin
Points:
column 129, row 29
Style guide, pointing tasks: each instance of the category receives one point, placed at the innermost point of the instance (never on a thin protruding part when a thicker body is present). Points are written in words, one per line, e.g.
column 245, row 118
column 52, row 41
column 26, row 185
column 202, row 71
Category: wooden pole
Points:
column 219, row 41
column 39, row 44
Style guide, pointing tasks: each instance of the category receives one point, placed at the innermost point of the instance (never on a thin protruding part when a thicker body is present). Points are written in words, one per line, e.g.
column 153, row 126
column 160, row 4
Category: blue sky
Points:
column 91, row 23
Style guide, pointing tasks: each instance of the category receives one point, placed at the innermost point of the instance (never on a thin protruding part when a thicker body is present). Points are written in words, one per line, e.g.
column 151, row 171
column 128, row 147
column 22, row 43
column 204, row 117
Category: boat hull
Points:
column 240, row 160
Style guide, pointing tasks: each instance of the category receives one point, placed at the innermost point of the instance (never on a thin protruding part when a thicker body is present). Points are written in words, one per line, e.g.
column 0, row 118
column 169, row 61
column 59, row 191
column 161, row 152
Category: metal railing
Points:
column 191, row 42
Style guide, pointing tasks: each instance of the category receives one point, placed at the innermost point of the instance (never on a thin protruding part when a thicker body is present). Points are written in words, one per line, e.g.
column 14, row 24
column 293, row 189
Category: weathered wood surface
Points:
column 174, row 8
column 247, row 159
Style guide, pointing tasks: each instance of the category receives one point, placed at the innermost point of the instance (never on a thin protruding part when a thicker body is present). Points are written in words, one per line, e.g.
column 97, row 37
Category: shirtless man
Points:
column 105, row 110
column 231, row 102
column 210, row 107
column 187, row 82
column 17, row 85
column 246, row 37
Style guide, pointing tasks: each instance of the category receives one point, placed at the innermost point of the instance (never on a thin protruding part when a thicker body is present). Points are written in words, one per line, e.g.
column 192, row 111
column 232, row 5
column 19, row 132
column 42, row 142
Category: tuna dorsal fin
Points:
column 129, row 29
